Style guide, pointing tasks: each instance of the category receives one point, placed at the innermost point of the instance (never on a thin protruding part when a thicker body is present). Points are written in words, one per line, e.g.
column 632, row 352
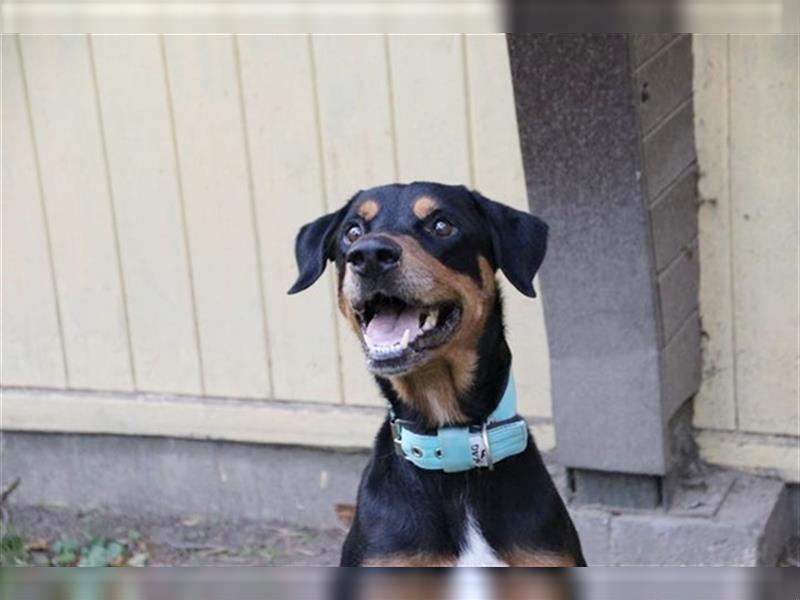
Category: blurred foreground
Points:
column 398, row 584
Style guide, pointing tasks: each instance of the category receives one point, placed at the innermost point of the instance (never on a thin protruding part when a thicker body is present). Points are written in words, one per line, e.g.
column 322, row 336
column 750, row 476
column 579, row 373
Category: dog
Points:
column 455, row 478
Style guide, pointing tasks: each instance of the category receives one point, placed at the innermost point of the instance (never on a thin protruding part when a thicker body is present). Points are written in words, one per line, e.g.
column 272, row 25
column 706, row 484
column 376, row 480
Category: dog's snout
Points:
column 372, row 257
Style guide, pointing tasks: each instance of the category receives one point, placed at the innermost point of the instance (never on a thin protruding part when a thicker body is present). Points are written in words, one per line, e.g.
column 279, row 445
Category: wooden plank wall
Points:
column 153, row 186
column 747, row 105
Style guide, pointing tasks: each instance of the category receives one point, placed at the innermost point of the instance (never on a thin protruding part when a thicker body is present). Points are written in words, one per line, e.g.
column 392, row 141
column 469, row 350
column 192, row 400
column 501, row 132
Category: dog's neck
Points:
column 460, row 389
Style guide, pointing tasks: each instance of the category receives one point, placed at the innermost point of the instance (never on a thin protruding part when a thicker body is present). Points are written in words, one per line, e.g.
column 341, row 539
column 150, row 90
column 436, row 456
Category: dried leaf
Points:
column 139, row 559
column 37, row 544
column 345, row 513
column 191, row 520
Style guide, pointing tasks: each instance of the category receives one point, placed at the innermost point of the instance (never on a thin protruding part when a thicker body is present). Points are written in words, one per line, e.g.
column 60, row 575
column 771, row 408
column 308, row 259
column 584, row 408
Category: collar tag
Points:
column 479, row 451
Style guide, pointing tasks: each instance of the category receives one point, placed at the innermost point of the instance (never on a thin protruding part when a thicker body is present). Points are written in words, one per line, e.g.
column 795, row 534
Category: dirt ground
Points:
column 49, row 536
column 58, row 537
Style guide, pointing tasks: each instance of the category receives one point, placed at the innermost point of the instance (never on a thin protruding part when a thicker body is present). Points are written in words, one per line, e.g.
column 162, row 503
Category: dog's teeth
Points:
column 404, row 339
column 430, row 321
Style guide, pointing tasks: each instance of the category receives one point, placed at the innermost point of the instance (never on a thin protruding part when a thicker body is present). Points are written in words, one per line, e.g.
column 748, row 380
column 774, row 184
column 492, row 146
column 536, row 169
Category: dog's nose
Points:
column 373, row 257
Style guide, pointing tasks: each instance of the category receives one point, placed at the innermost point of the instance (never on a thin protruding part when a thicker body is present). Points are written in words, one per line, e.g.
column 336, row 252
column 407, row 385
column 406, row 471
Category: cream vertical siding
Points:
column 152, row 189
column 748, row 139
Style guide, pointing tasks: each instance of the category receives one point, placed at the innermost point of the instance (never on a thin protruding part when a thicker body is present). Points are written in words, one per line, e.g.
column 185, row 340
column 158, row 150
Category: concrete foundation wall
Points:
column 722, row 518
column 161, row 476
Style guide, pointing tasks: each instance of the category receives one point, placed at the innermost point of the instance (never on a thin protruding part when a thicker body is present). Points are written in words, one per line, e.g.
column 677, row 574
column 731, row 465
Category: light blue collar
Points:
column 455, row 449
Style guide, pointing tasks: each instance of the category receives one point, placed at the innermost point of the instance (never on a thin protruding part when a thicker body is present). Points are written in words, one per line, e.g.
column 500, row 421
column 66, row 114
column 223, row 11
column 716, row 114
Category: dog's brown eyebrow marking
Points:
column 423, row 206
column 369, row 209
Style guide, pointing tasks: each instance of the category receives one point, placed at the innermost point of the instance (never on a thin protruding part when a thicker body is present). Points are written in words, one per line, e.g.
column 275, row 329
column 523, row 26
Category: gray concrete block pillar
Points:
column 606, row 129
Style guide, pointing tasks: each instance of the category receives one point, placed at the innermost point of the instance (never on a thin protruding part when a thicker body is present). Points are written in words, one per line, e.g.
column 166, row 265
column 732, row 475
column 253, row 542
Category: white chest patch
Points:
column 476, row 551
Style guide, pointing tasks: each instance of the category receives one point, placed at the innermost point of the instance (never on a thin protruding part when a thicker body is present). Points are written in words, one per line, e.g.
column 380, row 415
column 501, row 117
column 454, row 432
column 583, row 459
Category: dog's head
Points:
column 416, row 266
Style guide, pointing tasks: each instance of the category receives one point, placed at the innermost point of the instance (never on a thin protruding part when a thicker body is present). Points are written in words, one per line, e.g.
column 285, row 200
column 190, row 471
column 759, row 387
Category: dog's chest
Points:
column 474, row 550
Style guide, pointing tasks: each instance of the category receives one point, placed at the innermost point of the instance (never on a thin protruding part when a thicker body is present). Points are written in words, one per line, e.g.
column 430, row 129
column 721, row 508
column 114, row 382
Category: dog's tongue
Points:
column 388, row 326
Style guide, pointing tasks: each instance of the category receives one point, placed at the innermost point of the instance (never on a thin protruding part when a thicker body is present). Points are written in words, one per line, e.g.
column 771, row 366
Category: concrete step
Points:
column 724, row 518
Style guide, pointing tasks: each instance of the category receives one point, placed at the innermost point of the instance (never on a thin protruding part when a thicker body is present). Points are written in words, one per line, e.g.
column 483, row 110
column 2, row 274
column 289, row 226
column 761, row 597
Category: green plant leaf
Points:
column 64, row 545
column 65, row 558
column 268, row 553
column 94, row 555
column 12, row 549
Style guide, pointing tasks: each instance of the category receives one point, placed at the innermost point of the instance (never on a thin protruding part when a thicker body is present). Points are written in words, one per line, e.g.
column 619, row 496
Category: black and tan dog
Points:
column 452, row 481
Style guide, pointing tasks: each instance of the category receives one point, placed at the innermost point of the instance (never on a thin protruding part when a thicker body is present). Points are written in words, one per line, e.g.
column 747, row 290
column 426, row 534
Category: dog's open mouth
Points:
column 397, row 333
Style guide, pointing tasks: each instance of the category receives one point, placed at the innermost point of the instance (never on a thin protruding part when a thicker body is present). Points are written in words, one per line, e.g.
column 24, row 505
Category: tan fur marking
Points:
column 433, row 389
column 532, row 558
column 411, row 560
column 349, row 315
column 423, row 206
column 369, row 209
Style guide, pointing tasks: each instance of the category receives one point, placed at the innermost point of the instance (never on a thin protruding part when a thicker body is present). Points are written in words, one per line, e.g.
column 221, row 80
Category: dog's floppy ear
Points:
column 313, row 248
column 519, row 242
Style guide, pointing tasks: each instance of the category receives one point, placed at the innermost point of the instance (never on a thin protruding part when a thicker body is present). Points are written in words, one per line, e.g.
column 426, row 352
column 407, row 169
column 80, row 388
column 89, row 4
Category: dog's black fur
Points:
column 406, row 515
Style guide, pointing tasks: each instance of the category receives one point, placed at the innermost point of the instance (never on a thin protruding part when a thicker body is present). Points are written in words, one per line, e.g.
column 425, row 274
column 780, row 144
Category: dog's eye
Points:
column 352, row 234
column 443, row 228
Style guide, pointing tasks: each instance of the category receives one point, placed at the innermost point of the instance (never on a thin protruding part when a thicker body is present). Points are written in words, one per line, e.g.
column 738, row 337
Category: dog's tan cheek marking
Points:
column 533, row 558
column 347, row 312
column 430, row 389
column 423, row 206
column 434, row 388
column 461, row 351
column 346, row 289
column 463, row 363
column 476, row 301
column 411, row 560
column 369, row 209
